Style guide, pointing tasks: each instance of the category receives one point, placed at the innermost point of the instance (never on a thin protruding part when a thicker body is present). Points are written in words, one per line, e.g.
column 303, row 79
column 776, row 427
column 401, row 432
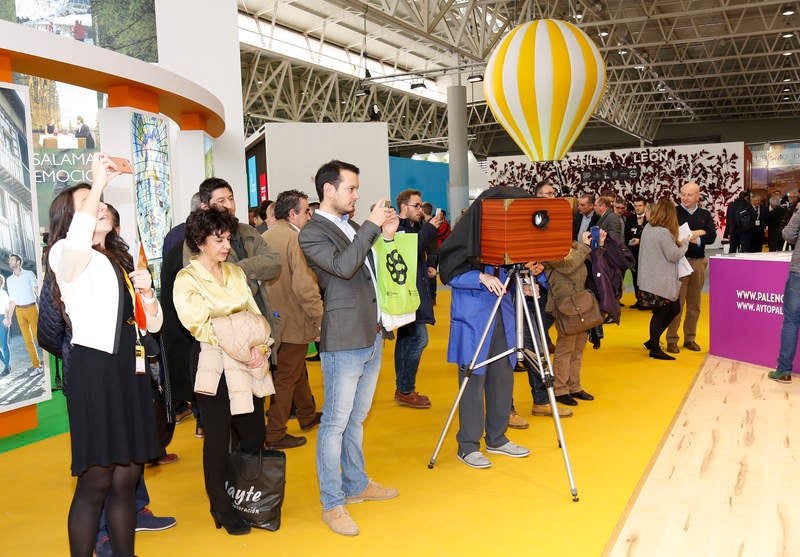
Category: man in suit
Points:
column 608, row 220
column 340, row 253
column 757, row 234
column 585, row 218
column 295, row 296
column 634, row 225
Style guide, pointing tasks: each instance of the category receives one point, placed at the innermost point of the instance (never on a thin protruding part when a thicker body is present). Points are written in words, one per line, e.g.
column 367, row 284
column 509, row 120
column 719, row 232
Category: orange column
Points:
column 5, row 68
column 133, row 97
column 25, row 418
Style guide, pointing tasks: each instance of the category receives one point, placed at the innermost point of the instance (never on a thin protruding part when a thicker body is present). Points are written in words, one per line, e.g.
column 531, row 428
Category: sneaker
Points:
column 146, row 521
column 780, row 376
column 199, row 432
column 313, row 423
column 168, row 458
column 373, row 492
column 475, row 459
column 182, row 416
column 103, row 547
column 287, row 442
column 412, row 400
column 509, row 449
column 340, row 522
column 515, row 421
column 546, row 410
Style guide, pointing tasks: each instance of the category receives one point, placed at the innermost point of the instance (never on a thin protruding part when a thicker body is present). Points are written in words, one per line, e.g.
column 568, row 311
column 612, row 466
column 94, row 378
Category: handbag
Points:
column 256, row 484
column 577, row 312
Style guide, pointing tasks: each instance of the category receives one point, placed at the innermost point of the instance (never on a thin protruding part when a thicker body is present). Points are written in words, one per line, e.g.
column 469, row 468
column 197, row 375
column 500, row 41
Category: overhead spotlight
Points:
column 622, row 51
column 638, row 67
column 360, row 92
column 418, row 85
column 787, row 10
column 786, row 89
column 786, row 98
column 578, row 16
column 787, row 35
column 475, row 78
column 603, row 33
column 787, row 78
column 787, row 53
column 367, row 75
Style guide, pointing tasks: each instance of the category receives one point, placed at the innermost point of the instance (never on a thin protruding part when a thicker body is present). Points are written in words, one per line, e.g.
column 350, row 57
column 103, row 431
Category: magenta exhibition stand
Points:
column 746, row 306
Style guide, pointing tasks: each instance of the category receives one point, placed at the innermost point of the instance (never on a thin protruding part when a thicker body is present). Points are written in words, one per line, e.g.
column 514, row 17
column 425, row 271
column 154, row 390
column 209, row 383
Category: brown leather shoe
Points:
column 672, row 348
column 412, row 400
column 313, row 423
column 692, row 345
column 340, row 522
column 515, row 421
column 373, row 492
column 287, row 442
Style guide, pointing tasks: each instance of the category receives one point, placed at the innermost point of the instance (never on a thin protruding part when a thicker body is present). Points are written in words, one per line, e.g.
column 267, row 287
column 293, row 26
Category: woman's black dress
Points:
column 110, row 407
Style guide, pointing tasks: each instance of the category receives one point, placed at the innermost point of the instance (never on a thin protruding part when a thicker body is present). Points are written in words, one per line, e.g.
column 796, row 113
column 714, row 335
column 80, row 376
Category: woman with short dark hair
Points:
column 205, row 290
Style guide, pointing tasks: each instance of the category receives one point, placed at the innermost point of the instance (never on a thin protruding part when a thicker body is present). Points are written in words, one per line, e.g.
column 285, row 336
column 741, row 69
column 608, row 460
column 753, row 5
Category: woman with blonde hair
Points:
column 659, row 253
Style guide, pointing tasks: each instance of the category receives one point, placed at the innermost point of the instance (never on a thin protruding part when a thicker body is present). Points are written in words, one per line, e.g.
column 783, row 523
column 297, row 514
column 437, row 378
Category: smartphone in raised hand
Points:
column 123, row 165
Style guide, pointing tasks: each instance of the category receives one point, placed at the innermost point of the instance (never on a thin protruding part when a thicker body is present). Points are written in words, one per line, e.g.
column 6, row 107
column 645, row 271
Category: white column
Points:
column 458, row 188
column 200, row 40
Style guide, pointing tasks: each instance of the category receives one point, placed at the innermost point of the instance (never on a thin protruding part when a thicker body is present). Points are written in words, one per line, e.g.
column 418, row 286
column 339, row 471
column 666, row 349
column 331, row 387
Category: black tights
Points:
column 118, row 484
column 661, row 319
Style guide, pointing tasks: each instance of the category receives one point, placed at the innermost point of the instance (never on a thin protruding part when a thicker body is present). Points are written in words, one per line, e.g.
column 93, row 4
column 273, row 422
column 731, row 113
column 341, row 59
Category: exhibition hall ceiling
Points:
column 668, row 61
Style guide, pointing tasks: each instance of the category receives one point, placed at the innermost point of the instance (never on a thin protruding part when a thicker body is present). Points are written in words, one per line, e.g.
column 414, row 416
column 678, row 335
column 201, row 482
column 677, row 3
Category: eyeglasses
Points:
column 415, row 205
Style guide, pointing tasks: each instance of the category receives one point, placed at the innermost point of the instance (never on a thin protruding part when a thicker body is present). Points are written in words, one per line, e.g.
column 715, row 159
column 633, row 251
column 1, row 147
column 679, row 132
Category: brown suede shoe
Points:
column 545, row 410
column 672, row 348
column 515, row 421
column 340, row 522
column 692, row 345
column 412, row 400
column 373, row 492
column 288, row 442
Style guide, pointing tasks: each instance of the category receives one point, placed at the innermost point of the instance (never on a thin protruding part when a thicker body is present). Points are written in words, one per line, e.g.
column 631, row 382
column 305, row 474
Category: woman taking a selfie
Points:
column 110, row 403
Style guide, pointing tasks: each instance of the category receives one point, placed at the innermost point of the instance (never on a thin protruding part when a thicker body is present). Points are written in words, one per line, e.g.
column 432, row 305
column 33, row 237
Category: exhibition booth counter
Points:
column 746, row 306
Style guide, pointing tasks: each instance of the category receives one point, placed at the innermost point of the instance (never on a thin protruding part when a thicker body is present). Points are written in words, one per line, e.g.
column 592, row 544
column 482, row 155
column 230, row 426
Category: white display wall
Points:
column 296, row 150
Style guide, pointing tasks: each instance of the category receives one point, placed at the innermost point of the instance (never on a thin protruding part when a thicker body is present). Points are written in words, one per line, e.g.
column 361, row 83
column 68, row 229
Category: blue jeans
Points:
column 142, row 500
column 350, row 377
column 411, row 341
column 538, row 389
column 5, row 351
column 791, row 322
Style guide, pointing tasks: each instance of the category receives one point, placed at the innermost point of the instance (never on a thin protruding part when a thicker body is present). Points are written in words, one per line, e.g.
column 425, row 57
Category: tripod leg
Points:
column 449, row 420
column 562, row 442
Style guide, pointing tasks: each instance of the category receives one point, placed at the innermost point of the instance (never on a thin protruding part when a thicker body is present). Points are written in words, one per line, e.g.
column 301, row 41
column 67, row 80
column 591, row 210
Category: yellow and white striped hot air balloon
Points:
column 542, row 82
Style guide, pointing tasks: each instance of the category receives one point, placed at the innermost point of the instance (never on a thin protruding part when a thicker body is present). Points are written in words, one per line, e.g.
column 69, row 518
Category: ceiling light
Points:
column 787, row 10
column 787, row 78
column 475, row 78
column 418, row 85
column 603, row 33
column 579, row 16
column 360, row 92
column 638, row 67
column 622, row 51
column 787, row 35
column 786, row 89
column 787, row 53
column 786, row 98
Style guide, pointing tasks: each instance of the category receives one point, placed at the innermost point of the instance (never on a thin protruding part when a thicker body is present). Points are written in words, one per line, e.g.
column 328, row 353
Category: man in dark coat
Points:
column 634, row 225
column 413, row 338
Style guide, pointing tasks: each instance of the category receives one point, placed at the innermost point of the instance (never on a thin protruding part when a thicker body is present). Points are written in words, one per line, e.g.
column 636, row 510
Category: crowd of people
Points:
column 241, row 303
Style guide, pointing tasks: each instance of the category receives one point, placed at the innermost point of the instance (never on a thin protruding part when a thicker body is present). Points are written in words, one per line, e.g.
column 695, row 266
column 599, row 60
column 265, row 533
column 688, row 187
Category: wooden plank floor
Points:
column 724, row 482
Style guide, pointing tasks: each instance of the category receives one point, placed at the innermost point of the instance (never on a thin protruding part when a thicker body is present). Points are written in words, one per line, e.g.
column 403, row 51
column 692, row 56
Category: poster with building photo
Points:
column 24, row 377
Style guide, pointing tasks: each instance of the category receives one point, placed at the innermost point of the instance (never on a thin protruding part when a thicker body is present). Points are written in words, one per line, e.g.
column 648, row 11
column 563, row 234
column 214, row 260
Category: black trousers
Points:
column 661, row 319
column 249, row 429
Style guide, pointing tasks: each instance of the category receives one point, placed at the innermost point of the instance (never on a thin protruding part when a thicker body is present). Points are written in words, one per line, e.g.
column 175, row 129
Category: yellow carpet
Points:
column 518, row 506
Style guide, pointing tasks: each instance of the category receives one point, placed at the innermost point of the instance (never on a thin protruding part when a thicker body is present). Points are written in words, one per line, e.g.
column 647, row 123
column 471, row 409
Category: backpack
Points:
column 52, row 331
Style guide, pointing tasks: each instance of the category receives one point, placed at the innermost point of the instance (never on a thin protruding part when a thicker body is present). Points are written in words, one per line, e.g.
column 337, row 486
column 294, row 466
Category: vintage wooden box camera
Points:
column 520, row 230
